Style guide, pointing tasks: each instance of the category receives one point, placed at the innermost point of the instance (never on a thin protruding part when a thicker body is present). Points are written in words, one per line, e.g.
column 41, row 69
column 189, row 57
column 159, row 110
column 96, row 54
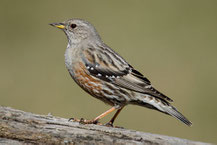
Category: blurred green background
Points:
column 173, row 43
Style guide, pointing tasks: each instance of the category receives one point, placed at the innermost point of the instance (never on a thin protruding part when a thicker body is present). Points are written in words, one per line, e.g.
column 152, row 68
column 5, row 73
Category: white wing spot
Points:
column 149, row 86
column 99, row 75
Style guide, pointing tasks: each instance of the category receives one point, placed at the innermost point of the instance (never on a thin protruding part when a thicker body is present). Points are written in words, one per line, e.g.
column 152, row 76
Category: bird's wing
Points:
column 110, row 67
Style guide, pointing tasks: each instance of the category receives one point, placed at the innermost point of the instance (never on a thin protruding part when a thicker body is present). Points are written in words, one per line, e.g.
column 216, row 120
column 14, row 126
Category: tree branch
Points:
column 19, row 127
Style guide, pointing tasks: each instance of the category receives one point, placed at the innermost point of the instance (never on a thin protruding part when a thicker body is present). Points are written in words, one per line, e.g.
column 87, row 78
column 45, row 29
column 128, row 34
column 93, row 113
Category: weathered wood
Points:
column 19, row 127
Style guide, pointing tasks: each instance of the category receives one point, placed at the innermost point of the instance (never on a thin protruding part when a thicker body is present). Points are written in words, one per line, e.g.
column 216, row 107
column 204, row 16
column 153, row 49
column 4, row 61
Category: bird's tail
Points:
column 175, row 113
column 160, row 105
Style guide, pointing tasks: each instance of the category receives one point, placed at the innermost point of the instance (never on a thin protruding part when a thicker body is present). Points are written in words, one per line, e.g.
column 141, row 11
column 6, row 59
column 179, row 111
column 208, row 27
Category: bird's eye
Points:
column 73, row 26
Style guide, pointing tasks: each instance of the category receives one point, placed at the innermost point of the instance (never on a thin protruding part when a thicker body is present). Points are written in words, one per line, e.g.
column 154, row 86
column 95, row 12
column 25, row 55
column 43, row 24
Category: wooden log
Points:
column 19, row 127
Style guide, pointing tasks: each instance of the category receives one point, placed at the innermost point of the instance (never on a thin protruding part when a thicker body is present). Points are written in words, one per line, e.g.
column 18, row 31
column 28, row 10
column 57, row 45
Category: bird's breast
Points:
column 72, row 56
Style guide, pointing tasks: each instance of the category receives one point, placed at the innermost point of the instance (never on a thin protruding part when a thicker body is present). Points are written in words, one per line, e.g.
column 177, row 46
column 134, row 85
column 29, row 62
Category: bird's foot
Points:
column 84, row 121
column 71, row 119
column 74, row 120
column 110, row 124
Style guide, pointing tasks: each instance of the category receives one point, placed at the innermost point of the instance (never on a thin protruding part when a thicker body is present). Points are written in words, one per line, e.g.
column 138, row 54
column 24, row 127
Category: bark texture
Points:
column 19, row 127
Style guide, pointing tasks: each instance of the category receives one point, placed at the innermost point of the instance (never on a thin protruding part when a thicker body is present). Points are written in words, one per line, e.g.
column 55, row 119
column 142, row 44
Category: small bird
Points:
column 105, row 75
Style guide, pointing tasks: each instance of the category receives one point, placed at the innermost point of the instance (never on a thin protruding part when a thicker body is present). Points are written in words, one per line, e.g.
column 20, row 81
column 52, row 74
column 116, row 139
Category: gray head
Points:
column 78, row 30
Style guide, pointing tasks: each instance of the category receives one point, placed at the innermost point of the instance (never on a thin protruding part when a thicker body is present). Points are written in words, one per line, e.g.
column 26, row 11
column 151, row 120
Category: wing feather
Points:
column 123, row 75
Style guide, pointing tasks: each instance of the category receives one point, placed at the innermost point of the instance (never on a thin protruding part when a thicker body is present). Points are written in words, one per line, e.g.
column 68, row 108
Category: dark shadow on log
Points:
column 18, row 127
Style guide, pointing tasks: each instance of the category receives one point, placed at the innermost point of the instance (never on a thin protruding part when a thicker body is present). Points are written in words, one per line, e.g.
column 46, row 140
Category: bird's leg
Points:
column 103, row 114
column 95, row 121
column 110, row 123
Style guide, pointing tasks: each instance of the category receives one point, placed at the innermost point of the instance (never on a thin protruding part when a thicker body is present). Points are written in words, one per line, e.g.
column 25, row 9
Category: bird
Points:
column 107, row 76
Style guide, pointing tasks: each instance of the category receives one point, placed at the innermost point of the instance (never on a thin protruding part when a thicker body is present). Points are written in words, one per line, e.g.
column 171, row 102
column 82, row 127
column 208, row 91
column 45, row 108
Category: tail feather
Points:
column 160, row 105
column 175, row 113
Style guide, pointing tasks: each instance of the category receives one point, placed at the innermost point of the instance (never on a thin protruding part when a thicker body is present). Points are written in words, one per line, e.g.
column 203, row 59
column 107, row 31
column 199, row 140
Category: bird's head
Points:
column 77, row 30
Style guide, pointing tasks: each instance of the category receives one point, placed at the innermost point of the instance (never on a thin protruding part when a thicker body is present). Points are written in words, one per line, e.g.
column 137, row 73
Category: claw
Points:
column 71, row 119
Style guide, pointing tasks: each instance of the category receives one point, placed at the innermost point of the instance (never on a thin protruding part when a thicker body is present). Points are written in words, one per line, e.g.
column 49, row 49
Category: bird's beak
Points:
column 58, row 25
